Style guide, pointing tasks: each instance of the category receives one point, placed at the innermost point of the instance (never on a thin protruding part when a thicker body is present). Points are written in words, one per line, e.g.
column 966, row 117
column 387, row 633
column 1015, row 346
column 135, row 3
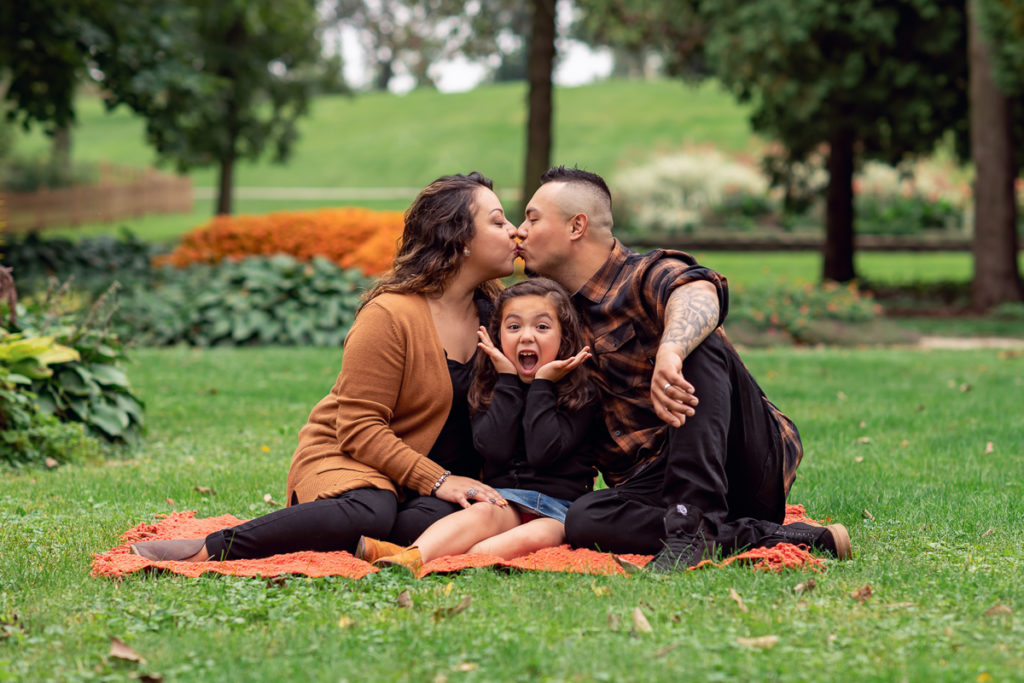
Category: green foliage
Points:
column 899, row 215
column 29, row 175
column 890, row 72
column 91, row 263
column 93, row 389
column 795, row 309
column 29, row 435
column 256, row 301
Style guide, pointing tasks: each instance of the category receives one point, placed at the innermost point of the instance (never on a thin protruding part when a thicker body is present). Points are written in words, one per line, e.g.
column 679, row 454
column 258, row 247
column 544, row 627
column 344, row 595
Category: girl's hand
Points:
column 501, row 363
column 557, row 369
column 465, row 490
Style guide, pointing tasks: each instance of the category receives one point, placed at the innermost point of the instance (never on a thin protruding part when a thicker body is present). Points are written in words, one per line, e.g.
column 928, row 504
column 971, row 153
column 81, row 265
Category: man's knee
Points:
column 580, row 525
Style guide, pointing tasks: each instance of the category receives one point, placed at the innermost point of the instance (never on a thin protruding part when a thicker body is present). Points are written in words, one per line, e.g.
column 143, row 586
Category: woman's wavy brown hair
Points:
column 576, row 389
column 438, row 226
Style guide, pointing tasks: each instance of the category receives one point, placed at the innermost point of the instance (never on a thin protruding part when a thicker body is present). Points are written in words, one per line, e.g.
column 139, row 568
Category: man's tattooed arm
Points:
column 690, row 316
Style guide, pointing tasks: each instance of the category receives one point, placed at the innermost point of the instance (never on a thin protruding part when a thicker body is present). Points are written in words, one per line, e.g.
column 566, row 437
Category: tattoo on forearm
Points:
column 690, row 316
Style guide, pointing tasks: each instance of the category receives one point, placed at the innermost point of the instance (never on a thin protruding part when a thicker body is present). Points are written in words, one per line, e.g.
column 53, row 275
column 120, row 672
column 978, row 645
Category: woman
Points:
column 388, row 451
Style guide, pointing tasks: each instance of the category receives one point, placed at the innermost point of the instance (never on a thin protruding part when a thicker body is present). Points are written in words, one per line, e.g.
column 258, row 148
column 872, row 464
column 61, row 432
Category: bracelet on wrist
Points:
column 440, row 480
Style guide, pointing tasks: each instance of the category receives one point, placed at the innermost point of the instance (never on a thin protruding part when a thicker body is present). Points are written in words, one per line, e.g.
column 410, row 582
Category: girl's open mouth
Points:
column 527, row 360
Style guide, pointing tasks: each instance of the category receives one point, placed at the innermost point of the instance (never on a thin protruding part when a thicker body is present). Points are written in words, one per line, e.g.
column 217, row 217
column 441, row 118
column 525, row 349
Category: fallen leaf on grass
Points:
column 465, row 667
column 600, row 591
column 346, row 623
column 278, row 581
column 450, row 611
column 807, row 585
column 864, row 439
column 269, row 500
column 739, row 601
column 989, row 448
column 867, row 514
column 998, row 609
column 405, row 599
column 265, row 448
column 859, row 459
column 204, row 490
column 761, row 642
column 51, row 463
column 121, row 651
column 964, row 388
column 640, row 622
column 614, row 621
column 988, row 533
column 148, row 678
column 170, row 501
column 861, row 594
column 984, row 677
column 841, row 396
column 627, row 566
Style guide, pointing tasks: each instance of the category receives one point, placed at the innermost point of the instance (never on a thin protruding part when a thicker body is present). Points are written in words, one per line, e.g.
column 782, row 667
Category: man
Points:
column 697, row 459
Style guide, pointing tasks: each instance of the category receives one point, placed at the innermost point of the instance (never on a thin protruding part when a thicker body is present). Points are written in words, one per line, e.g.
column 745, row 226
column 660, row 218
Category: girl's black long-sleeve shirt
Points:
column 528, row 442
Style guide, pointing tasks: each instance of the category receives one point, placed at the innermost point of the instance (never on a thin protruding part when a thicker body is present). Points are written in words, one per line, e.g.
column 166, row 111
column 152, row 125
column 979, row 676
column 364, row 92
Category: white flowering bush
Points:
column 673, row 194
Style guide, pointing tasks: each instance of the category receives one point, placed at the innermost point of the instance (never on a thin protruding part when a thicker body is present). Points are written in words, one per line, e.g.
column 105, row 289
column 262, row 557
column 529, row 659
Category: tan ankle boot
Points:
column 370, row 549
column 407, row 558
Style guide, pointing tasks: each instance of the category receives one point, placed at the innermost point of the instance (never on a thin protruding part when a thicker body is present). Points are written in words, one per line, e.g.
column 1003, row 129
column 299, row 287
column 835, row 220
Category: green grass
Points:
column 383, row 140
column 900, row 434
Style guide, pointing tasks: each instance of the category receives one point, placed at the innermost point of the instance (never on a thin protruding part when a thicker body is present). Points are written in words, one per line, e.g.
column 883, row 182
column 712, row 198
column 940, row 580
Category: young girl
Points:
column 530, row 412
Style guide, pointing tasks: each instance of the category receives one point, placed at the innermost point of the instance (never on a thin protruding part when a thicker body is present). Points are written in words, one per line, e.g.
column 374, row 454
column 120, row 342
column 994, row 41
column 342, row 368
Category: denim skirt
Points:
column 538, row 503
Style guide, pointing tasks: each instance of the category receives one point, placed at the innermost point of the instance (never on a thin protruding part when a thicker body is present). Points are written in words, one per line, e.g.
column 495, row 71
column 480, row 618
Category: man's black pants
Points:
column 729, row 461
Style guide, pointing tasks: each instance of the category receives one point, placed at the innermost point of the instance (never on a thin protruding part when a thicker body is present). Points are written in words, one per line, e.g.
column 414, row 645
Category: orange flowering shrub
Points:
column 352, row 237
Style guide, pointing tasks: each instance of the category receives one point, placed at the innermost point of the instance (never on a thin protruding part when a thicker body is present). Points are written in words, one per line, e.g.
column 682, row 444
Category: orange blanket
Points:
column 120, row 561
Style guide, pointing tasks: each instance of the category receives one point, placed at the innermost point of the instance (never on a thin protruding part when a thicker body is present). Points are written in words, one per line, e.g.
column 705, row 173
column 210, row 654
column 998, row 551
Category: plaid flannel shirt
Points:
column 623, row 311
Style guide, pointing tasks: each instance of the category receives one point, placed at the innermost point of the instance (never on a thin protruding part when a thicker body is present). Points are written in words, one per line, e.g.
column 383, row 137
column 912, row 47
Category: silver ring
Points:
column 471, row 492
column 667, row 386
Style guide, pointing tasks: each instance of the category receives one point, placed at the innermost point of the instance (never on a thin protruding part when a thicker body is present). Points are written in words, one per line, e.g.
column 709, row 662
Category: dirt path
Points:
column 964, row 343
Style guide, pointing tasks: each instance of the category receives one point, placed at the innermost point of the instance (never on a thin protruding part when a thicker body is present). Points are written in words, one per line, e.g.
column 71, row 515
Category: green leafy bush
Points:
column 22, row 174
column 899, row 215
column 92, row 262
column 93, row 389
column 29, row 435
column 795, row 309
column 257, row 301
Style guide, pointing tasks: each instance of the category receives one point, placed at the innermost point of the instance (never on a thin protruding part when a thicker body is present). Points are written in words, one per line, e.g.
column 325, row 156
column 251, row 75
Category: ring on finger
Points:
column 471, row 492
column 667, row 386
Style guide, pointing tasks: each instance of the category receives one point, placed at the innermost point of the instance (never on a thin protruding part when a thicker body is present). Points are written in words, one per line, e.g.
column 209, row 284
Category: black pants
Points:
column 728, row 460
column 328, row 524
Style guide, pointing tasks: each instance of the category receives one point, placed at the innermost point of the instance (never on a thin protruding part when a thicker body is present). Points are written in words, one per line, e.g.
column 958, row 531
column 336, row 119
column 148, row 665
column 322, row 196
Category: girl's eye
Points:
column 543, row 326
column 512, row 327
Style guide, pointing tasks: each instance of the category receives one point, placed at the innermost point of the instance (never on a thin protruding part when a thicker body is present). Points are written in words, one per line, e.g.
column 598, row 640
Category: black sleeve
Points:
column 548, row 431
column 496, row 430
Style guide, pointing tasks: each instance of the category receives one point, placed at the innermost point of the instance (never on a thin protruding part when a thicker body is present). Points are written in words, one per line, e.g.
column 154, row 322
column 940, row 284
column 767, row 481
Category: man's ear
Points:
column 578, row 226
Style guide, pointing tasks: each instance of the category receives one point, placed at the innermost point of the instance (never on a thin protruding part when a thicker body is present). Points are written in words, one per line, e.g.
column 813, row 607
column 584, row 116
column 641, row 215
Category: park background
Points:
column 831, row 161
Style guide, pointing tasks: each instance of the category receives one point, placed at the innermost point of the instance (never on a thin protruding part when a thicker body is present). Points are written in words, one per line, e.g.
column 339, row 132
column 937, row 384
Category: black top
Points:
column 528, row 442
column 453, row 449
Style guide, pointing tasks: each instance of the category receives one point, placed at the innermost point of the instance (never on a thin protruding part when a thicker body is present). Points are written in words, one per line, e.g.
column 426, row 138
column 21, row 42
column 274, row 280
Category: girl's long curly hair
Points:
column 438, row 226
column 576, row 389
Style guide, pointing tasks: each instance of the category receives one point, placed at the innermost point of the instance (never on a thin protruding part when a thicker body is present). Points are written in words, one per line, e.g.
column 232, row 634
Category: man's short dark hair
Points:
column 576, row 175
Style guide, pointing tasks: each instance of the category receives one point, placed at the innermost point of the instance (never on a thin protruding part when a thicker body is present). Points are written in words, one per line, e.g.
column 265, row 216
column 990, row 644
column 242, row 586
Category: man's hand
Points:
column 672, row 396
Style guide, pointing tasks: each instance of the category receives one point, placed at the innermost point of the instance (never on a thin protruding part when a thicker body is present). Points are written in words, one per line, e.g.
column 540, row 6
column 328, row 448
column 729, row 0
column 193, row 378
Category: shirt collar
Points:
column 596, row 288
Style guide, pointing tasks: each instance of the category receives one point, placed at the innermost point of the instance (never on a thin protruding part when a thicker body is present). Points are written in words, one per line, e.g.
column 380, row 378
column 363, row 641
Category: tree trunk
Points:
column 60, row 154
column 838, row 249
column 224, row 190
column 996, row 275
column 540, row 109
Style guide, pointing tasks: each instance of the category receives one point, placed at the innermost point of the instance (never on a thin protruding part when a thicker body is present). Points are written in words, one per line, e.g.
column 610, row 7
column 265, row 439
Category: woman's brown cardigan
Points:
column 385, row 411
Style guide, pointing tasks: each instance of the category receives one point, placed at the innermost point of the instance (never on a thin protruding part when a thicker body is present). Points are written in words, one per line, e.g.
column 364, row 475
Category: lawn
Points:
column 385, row 140
column 918, row 453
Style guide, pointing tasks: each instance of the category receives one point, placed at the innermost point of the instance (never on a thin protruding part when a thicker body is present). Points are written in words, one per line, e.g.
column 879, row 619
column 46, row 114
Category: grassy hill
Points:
column 384, row 140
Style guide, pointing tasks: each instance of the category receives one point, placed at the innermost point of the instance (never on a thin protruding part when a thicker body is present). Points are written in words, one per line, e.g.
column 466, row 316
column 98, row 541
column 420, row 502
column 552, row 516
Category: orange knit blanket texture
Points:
column 119, row 561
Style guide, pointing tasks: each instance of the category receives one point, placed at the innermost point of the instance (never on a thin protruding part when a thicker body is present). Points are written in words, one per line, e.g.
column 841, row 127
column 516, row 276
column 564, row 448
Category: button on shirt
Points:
column 623, row 310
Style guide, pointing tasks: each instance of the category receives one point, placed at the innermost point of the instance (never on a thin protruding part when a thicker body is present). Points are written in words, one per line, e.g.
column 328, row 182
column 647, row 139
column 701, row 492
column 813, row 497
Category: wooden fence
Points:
column 120, row 193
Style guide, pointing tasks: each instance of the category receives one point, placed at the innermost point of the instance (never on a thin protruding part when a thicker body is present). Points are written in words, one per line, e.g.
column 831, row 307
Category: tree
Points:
column 229, row 83
column 879, row 79
column 996, row 54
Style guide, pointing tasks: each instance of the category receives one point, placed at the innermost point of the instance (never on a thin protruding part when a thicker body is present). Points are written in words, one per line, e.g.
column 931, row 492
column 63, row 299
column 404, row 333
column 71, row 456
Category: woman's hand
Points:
column 456, row 489
column 501, row 363
column 557, row 369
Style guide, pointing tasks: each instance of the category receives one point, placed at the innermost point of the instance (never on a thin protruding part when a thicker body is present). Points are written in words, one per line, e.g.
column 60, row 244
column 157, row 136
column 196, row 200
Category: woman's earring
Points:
column 465, row 251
